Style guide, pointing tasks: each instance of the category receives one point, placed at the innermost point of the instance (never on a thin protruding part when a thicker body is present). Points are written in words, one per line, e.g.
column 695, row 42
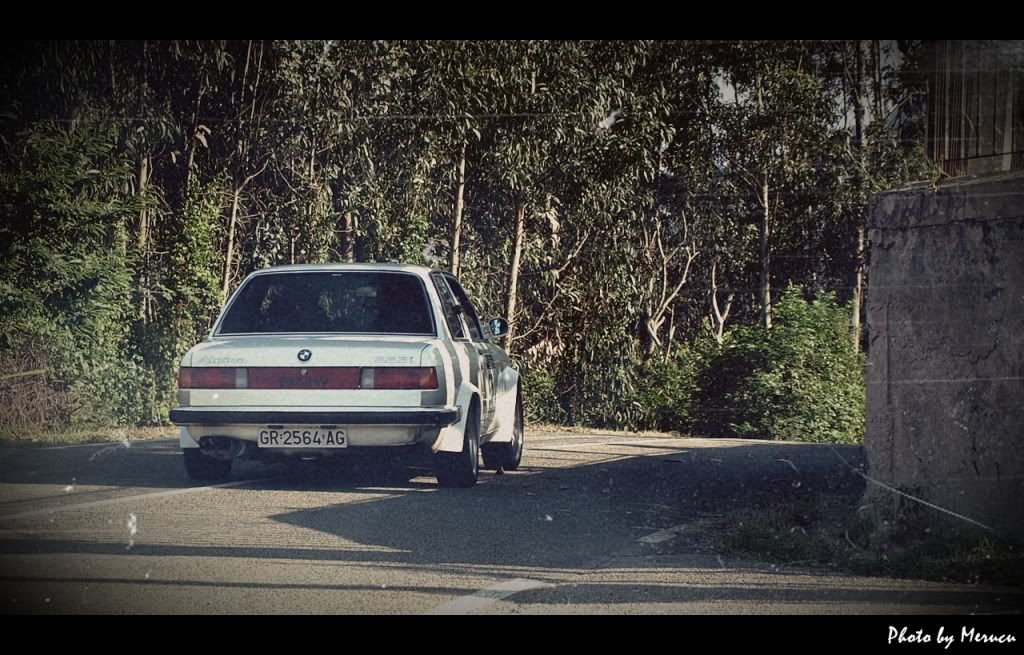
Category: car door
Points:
column 463, row 343
column 487, row 364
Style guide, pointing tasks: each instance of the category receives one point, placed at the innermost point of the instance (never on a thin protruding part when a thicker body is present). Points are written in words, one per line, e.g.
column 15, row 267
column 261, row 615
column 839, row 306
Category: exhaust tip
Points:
column 222, row 447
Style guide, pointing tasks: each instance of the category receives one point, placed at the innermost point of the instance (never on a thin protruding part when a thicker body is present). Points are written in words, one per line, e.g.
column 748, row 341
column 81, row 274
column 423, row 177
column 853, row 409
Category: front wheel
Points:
column 507, row 456
column 203, row 467
column 461, row 469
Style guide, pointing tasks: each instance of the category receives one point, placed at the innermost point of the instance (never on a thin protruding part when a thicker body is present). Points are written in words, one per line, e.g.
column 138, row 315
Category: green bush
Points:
column 666, row 388
column 66, row 274
column 799, row 382
column 540, row 402
column 191, row 291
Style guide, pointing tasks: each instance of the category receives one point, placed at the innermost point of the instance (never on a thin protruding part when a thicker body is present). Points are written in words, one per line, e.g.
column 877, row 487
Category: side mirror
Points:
column 499, row 327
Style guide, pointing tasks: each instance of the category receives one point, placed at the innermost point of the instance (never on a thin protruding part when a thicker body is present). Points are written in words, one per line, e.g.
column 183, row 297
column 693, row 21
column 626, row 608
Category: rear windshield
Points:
column 345, row 302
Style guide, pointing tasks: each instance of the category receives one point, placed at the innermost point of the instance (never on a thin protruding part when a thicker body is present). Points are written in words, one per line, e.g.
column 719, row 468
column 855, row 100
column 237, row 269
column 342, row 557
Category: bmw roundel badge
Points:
column 304, row 355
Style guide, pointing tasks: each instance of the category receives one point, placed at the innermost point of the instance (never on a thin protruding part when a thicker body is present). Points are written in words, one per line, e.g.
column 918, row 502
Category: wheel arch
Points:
column 507, row 406
column 449, row 438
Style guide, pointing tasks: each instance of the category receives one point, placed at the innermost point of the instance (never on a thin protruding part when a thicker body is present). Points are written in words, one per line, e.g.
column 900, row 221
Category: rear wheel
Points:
column 203, row 467
column 507, row 456
column 461, row 469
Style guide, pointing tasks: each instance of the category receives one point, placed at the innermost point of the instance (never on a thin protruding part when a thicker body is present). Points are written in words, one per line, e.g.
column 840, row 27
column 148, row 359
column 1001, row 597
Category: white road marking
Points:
column 791, row 464
column 487, row 596
column 113, row 444
column 662, row 535
column 122, row 499
column 86, row 445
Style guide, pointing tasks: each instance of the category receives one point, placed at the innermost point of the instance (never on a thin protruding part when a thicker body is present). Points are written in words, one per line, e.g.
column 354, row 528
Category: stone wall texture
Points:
column 945, row 372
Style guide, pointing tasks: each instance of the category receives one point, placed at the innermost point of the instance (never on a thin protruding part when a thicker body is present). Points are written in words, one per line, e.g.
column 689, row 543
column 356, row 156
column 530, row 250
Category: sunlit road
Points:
column 591, row 524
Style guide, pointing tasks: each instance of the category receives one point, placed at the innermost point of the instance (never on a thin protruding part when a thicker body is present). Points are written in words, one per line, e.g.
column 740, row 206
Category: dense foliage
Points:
column 801, row 381
column 633, row 208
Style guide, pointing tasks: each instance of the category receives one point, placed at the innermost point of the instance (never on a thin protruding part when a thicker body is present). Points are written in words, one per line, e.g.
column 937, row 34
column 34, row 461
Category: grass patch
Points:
column 554, row 428
column 966, row 560
column 814, row 533
column 83, row 436
column 777, row 534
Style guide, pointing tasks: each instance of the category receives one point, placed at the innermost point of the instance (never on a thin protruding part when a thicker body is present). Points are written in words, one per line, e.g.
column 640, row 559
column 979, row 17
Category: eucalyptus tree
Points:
column 776, row 125
column 884, row 145
column 311, row 132
column 456, row 91
column 244, row 107
column 663, row 137
column 380, row 188
column 544, row 114
column 584, row 255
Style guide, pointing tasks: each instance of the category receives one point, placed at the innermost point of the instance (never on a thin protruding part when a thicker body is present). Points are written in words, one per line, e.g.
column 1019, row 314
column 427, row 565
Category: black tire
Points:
column 507, row 456
column 203, row 467
column 461, row 469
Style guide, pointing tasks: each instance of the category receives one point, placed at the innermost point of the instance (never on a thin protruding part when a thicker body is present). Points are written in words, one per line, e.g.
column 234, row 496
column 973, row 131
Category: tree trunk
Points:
column 191, row 141
column 143, row 174
column 240, row 165
column 648, row 335
column 513, row 273
column 142, row 178
column 858, row 289
column 229, row 251
column 718, row 316
column 859, row 98
column 762, row 236
column 348, row 240
column 765, row 291
column 142, row 244
column 879, row 91
column 113, row 72
column 188, row 172
column 457, row 227
column 671, row 335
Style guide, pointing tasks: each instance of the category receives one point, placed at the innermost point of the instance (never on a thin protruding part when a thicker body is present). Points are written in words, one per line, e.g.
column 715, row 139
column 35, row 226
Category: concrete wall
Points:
column 945, row 317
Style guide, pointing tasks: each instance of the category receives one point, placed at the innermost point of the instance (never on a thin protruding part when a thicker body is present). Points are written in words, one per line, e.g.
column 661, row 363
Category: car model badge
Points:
column 304, row 355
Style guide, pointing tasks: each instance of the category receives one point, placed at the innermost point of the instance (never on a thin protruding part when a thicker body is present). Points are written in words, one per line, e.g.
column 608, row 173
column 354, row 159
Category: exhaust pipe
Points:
column 222, row 447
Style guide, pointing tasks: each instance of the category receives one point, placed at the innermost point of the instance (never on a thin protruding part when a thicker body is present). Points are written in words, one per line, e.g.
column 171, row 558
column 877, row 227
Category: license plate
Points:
column 302, row 438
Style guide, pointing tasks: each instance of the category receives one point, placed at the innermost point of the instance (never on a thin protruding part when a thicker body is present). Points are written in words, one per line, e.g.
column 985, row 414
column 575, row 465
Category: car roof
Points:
column 362, row 266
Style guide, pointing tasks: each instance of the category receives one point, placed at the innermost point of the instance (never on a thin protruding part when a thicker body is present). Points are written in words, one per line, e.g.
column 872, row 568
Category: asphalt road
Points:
column 590, row 524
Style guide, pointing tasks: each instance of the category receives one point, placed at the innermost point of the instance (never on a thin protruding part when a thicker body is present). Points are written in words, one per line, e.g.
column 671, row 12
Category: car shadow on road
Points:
column 158, row 464
column 567, row 514
column 564, row 515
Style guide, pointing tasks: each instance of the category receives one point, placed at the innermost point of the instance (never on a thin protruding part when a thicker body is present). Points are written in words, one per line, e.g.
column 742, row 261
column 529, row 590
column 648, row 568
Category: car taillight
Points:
column 394, row 377
column 207, row 377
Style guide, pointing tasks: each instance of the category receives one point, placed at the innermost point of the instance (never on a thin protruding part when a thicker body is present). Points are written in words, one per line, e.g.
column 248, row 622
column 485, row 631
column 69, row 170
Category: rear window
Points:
column 344, row 302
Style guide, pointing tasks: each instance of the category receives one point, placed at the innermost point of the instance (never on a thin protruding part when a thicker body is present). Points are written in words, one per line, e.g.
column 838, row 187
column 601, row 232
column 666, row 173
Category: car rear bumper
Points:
column 210, row 416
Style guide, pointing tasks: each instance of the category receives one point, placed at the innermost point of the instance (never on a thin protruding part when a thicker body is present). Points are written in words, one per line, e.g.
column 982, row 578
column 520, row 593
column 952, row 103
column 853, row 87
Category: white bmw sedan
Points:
column 315, row 360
